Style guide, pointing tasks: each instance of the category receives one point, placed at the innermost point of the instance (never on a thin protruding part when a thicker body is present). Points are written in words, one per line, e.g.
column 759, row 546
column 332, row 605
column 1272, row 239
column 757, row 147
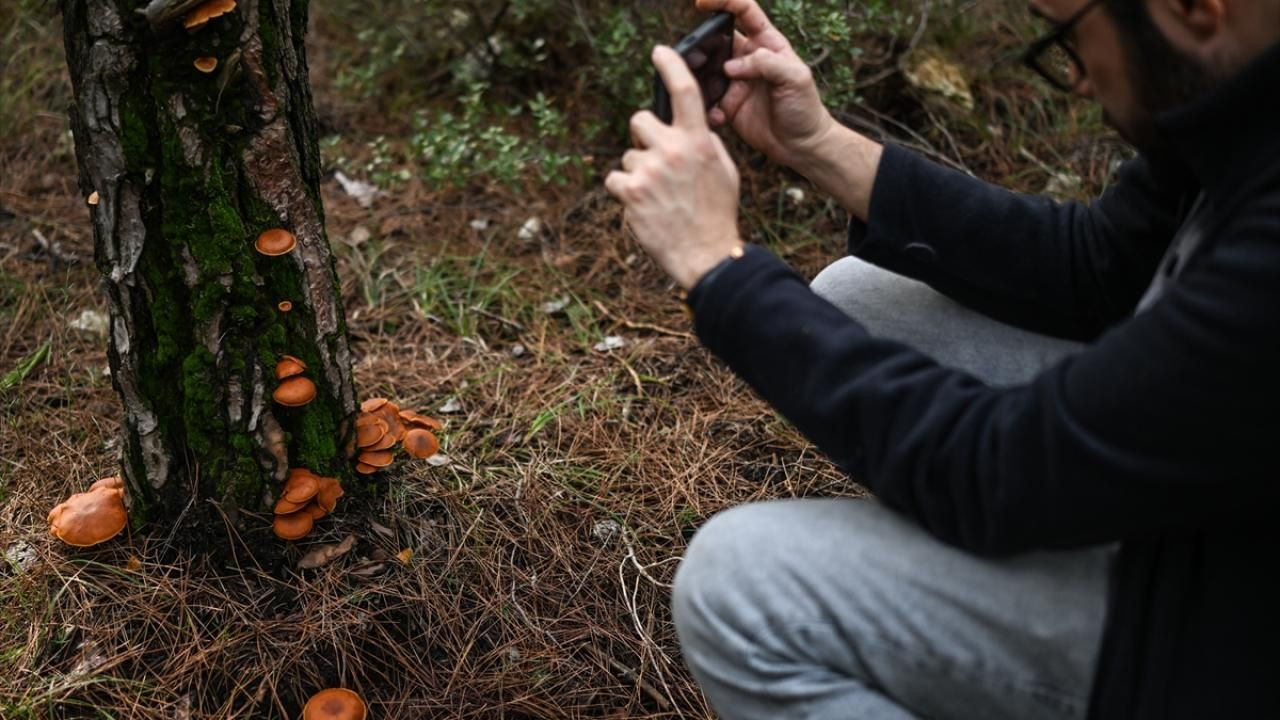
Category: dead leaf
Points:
column 326, row 554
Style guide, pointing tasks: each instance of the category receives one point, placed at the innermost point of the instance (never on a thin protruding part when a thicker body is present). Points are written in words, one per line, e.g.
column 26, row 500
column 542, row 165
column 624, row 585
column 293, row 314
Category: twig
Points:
column 643, row 326
column 54, row 249
column 631, row 676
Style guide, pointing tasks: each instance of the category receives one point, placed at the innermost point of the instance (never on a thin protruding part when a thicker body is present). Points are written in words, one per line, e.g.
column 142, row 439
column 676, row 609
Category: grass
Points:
column 544, row 549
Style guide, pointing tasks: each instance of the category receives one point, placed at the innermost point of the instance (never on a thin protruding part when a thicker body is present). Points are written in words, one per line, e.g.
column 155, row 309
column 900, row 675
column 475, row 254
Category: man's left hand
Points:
column 679, row 185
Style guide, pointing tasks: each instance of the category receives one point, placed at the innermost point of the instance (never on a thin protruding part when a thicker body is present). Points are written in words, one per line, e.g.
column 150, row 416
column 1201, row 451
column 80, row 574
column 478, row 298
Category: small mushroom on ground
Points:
column 285, row 306
column 114, row 482
column 288, row 366
column 328, row 493
column 197, row 18
column 376, row 458
column 293, row 526
column 206, row 65
column 369, row 430
column 417, row 419
column 365, row 468
column 334, row 704
column 421, row 443
column 301, row 486
column 275, row 242
column 295, row 391
column 89, row 518
column 373, row 404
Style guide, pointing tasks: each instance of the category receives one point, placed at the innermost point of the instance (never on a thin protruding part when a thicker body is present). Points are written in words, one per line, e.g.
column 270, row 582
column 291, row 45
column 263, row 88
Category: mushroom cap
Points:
column 376, row 458
column 276, row 241
column 288, row 366
column 93, row 198
column 421, row 443
column 285, row 507
column 285, row 306
column 295, row 391
column 293, row 526
column 212, row 9
column 301, row 486
column 386, row 442
column 365, row 468
column 334, row 704
column 373, row 404
column 417, row 419
column 328, row 494
column 314, row 509
column 113, row 481
column 390, row 414
column 206, row 64
column 89, row 518
column 369, row 430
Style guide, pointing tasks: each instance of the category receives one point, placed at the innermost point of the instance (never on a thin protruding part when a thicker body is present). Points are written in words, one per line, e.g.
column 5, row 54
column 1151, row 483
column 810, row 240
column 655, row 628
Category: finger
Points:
column 646, row 129
column 687, row 108
column 631, row 160
column 733, row 100
column 717, row 116
column 748, row 14
column 618, row 183
column 774, row 68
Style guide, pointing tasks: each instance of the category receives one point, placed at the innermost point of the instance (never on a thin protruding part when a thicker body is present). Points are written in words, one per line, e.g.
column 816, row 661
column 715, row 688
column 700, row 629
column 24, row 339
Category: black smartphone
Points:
column 705, row 50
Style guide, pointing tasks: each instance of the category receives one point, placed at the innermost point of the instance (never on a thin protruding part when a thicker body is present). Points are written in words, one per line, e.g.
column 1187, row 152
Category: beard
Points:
column 1164, row 80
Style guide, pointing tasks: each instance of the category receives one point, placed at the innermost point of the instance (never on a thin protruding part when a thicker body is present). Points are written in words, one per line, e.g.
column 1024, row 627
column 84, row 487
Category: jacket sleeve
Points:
column 1062, row 269
column 1164, row 423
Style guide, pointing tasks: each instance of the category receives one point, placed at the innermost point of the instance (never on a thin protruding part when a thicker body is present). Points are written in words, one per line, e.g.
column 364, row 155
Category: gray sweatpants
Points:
column 841, row 608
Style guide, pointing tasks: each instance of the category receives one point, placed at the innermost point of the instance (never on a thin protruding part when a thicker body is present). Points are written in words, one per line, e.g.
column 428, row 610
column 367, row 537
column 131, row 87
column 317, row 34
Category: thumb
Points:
column 768, row 65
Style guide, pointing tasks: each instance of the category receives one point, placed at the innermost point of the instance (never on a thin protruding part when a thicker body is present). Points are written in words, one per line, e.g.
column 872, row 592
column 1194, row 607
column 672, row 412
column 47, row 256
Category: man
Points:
column 1084, row 531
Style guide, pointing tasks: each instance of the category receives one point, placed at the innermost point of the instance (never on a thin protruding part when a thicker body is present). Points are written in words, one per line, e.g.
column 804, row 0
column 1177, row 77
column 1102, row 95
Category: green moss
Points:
column 200, row 412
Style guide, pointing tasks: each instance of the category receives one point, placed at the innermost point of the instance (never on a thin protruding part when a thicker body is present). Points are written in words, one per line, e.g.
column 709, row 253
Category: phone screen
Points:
column 705, row 50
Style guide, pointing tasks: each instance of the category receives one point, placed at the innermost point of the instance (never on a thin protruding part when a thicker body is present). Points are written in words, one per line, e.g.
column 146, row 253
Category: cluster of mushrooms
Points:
column 306, row 497
column 382, row 425
column 90, row 517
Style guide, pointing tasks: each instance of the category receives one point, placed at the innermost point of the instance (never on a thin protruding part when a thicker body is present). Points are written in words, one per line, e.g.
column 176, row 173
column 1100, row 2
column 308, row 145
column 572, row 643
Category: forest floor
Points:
column 587, row 434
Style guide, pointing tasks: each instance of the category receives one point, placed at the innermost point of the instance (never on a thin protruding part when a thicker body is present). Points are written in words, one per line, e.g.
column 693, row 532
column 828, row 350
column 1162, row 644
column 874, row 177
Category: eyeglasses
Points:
column 1053, row 57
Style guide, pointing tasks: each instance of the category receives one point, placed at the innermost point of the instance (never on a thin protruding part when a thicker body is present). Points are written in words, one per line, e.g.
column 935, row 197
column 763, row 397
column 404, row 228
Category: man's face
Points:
column 1134, row 75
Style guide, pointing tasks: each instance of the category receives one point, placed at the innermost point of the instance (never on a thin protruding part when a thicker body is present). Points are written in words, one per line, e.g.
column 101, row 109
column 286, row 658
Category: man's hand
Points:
column 772, row 102
column 679, row 185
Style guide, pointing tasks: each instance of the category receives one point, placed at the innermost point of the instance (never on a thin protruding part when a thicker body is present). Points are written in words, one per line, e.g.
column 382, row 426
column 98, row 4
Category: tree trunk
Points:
column 188, row 168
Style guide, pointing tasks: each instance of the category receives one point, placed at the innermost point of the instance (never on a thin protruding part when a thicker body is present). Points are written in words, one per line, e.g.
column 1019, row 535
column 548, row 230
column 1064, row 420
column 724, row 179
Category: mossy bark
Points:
column 189, row 168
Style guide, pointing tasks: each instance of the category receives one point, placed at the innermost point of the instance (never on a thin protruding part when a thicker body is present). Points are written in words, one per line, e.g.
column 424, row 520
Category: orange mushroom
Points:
column 93, row 198
column 206, row 64
column 390, row 414
column 369, row 430
column 113, row 482
column 295, row 391
column 376, row 458
column 285, row 507
column 301, row 486
column 365, row 468
column 328, row 494
column 419, row 420
column 315, row 510
column 285, row 306
column 197, row 18
column 89, row 518
column 275, row 242
column 373, row 404
column 288, row 366
column 421, row 443
column 293, row 526
column 334, row 704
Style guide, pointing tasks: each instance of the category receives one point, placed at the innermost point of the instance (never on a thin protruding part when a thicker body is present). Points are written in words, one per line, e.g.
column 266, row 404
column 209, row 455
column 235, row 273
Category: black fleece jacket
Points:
column 1162, row 435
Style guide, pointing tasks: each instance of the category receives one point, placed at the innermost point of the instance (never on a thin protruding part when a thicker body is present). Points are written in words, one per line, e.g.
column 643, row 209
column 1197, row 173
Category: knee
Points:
column 715, row 574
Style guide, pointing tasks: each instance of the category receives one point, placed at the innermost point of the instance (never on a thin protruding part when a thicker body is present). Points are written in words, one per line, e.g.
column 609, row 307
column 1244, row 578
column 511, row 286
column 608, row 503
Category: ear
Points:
column 1195, row 20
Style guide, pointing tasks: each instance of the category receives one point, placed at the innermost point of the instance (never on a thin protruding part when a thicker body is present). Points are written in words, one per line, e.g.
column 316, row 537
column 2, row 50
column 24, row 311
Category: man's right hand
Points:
column 773, row 102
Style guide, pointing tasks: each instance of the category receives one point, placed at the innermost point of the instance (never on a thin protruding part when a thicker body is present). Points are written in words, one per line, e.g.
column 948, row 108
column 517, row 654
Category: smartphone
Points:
column 705, row 50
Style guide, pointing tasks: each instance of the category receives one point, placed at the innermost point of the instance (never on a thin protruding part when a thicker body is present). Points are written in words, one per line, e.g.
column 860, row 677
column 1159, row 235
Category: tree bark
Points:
column 189, row 168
